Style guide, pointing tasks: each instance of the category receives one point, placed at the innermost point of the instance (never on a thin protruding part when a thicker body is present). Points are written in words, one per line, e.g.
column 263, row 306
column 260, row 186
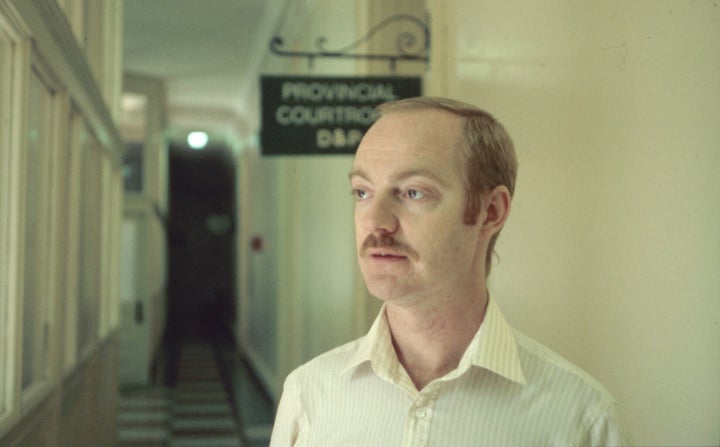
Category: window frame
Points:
column 70, row 291
column 89, row 261
column 38, row 390
column 36, row 42
column 11, row 110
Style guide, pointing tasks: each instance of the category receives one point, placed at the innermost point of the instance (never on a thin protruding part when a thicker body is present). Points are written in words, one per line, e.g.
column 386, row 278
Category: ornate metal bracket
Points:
column 409, row 47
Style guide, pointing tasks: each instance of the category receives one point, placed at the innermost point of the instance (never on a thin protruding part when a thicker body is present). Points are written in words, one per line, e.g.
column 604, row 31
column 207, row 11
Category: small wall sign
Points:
column 324, row 115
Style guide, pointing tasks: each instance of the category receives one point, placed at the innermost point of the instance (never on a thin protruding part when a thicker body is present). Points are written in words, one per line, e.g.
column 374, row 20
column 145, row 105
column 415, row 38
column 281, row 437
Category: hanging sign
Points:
column 324, row 115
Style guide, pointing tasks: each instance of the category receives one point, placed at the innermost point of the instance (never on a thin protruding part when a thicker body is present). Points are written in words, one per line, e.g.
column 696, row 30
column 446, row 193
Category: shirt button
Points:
column 420, row 412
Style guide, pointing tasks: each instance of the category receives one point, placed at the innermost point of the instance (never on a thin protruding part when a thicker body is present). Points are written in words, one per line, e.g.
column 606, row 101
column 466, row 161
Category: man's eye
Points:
column 360, row 194
column 415, row 194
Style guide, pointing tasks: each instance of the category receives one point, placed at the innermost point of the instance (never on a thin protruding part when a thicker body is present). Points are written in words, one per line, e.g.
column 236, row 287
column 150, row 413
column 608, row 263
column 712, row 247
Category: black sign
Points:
column 318, row 115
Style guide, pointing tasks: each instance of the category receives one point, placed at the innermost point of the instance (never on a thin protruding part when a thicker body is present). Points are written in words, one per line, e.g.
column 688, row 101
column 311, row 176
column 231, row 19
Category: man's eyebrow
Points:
column 357, row 173
column 420, row 173
column 402, row 175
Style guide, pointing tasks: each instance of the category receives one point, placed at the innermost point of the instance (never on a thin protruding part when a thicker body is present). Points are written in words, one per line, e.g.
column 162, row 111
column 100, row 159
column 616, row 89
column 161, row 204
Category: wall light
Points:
column 197, row 140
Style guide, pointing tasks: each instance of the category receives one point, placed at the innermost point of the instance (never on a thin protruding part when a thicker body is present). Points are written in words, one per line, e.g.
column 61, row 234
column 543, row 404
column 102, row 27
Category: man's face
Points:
column 408, row 183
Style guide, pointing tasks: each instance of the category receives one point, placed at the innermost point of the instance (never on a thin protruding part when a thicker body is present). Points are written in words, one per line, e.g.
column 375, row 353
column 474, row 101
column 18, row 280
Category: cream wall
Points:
column 612, row 254
column 296, row 295
column 301, row 294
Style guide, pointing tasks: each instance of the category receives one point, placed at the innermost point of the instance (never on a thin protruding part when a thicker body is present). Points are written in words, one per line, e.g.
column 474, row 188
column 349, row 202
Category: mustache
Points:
column 387, row 241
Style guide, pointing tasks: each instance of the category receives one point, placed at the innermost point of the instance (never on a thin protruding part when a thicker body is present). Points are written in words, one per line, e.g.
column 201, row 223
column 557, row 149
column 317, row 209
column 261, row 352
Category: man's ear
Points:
column 496, row 209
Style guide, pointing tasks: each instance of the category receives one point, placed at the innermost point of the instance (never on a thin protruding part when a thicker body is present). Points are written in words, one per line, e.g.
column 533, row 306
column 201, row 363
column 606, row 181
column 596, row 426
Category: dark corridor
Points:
column 201, row 241
column 199, row 346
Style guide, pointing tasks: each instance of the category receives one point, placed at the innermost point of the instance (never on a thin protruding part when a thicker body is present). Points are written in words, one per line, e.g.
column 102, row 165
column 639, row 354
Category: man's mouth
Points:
column 387, row 255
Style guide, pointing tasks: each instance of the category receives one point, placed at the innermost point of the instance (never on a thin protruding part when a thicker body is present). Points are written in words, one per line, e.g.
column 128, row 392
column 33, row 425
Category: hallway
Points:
column 209, row 399
column 610, row 256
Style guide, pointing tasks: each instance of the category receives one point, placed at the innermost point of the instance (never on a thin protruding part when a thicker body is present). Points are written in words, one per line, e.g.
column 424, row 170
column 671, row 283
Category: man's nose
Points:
column 380, row 215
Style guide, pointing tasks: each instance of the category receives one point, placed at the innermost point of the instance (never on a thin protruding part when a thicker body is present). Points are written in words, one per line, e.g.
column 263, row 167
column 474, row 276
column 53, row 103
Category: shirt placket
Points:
column 419, row 419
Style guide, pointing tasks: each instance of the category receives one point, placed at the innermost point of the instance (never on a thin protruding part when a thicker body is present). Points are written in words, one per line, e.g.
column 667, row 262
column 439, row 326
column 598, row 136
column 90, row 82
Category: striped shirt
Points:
column 507, row 390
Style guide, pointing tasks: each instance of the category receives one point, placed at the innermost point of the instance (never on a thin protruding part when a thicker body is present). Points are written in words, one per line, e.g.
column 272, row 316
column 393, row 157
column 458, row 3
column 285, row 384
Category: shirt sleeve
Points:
column 608, row 430
column 290, row 416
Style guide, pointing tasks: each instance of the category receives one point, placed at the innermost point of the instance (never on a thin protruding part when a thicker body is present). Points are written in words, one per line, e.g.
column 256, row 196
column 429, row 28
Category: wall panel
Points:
column 610, row 254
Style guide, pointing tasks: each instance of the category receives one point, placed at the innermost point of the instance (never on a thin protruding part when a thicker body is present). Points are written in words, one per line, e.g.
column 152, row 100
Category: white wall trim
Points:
column 269, row 380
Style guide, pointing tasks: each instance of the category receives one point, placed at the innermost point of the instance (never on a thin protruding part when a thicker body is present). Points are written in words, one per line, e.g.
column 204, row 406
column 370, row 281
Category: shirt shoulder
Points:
column 540, row 361
column 586, row 404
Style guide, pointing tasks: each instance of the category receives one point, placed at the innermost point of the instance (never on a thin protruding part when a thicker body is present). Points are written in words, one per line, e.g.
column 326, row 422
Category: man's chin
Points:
column 386, row 289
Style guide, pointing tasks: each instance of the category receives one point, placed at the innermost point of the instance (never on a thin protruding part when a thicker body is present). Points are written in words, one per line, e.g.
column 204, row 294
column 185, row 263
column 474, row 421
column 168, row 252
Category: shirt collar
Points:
column 376, row 347
column 493, row 348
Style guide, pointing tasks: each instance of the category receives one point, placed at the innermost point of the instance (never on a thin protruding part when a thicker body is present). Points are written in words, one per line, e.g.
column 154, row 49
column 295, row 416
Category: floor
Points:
column 211, row 399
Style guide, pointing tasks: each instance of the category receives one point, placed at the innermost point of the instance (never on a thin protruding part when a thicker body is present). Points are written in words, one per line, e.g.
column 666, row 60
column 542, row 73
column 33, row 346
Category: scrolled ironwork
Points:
column 408, row 46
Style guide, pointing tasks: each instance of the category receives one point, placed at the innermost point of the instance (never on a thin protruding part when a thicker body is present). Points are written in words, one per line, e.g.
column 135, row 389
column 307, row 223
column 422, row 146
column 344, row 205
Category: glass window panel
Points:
column 37, row 211
column 70, row 290
column 116, row 220
column 89, row 249
column 106, row 254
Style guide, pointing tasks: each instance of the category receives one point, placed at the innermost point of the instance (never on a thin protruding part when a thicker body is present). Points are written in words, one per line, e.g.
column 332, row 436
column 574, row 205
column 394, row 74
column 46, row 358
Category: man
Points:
column 433, row 180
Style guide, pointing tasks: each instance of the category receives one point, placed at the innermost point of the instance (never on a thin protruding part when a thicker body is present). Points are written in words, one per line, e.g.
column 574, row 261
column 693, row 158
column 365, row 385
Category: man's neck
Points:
column 430, row 340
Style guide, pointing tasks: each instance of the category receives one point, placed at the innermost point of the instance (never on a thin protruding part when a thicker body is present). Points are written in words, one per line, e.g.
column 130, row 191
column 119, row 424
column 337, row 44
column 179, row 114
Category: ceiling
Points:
column 208, row 52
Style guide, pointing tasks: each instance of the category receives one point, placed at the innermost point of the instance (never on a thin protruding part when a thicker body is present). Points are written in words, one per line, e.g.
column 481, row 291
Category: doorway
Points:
column 201, row 241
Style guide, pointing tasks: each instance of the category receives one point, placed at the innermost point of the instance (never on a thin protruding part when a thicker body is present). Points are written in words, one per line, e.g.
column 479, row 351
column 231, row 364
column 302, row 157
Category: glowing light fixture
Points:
column 197, row 140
